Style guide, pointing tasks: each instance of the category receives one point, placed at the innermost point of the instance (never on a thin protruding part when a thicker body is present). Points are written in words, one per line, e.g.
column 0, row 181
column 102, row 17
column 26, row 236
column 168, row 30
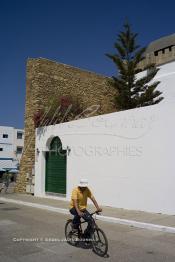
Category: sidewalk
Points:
column 160, row 222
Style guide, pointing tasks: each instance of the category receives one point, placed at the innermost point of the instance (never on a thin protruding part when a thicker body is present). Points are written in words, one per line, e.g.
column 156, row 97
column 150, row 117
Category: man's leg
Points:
column 6, row 187
column 76, row 219
column 87, row 217
column 2, row 187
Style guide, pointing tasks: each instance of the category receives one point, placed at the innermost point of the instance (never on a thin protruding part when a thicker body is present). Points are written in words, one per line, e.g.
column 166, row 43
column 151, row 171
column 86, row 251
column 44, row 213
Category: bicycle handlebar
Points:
column 96, row 212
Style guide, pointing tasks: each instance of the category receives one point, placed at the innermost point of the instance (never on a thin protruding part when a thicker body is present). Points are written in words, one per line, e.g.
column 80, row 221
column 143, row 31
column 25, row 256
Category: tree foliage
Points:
column 132, row 90
column 58, row 110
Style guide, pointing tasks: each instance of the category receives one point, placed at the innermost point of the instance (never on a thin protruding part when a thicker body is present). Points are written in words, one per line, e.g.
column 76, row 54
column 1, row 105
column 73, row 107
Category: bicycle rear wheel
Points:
column 71, row 236
column 99, row 242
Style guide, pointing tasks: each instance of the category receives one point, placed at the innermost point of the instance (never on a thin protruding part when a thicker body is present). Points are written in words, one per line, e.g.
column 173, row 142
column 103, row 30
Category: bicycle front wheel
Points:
column 99, row 242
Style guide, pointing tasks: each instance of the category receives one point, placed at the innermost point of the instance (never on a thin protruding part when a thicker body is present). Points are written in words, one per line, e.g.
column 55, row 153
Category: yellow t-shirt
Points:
column 81, row 197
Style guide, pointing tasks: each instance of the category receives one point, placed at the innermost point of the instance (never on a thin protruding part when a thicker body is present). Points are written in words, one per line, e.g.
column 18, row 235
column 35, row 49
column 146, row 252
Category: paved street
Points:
column 19, row 225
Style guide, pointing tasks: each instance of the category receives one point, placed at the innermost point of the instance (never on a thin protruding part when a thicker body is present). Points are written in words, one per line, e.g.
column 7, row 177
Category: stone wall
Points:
column 159, row 57
column 46, row 78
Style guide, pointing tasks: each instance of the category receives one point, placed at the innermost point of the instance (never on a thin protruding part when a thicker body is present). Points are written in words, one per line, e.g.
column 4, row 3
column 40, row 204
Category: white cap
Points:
column 83, row 182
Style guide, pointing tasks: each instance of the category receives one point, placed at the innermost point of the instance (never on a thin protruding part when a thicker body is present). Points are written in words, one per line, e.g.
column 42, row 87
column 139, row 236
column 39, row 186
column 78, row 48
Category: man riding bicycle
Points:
column 78, row 205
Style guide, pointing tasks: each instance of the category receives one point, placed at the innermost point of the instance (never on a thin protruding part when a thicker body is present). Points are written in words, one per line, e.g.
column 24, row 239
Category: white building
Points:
column 11, row 146
column 127, row 156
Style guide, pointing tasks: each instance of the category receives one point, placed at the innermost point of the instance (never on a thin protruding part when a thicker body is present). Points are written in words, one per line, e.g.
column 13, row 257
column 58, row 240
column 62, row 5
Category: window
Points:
column 1, row 149
column 19, row 149
column 19, row 135
column 5, row 136
column 156, row 53
column 163, row 51
column 170, row 48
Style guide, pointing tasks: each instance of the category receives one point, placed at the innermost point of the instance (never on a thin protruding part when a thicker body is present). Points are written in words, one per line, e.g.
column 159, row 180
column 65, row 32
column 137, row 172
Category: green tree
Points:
column 133, row 91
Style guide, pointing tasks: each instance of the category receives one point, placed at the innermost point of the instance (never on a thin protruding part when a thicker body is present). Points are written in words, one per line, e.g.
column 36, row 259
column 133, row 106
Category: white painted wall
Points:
column 128, row 157
column 18, row 143
column 10, row 144
column 6, row 143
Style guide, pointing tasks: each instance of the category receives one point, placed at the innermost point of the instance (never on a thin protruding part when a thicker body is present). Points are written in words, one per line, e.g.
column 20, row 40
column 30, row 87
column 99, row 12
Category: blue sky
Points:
column 76, row 32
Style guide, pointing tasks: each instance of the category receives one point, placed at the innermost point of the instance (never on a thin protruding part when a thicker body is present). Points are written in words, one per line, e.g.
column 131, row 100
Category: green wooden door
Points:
column 56, row 168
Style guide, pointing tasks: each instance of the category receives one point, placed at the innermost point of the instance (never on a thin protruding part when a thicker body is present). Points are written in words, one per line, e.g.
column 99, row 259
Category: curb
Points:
column 137, row 224
column 115, row 220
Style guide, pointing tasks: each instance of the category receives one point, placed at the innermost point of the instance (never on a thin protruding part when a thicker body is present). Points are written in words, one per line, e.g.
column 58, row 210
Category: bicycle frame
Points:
column 94, row 223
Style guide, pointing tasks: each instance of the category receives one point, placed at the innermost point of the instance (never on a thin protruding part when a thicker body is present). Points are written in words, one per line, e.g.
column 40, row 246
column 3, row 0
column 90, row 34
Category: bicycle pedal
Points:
column 75, row 231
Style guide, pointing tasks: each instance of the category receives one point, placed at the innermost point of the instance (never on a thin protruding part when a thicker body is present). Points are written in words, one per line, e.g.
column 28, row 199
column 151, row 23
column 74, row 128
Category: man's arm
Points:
column 96, row 204
column 76, row 207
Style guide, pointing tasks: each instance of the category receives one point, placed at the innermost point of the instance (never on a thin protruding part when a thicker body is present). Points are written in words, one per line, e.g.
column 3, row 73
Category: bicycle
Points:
column 97, row 238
